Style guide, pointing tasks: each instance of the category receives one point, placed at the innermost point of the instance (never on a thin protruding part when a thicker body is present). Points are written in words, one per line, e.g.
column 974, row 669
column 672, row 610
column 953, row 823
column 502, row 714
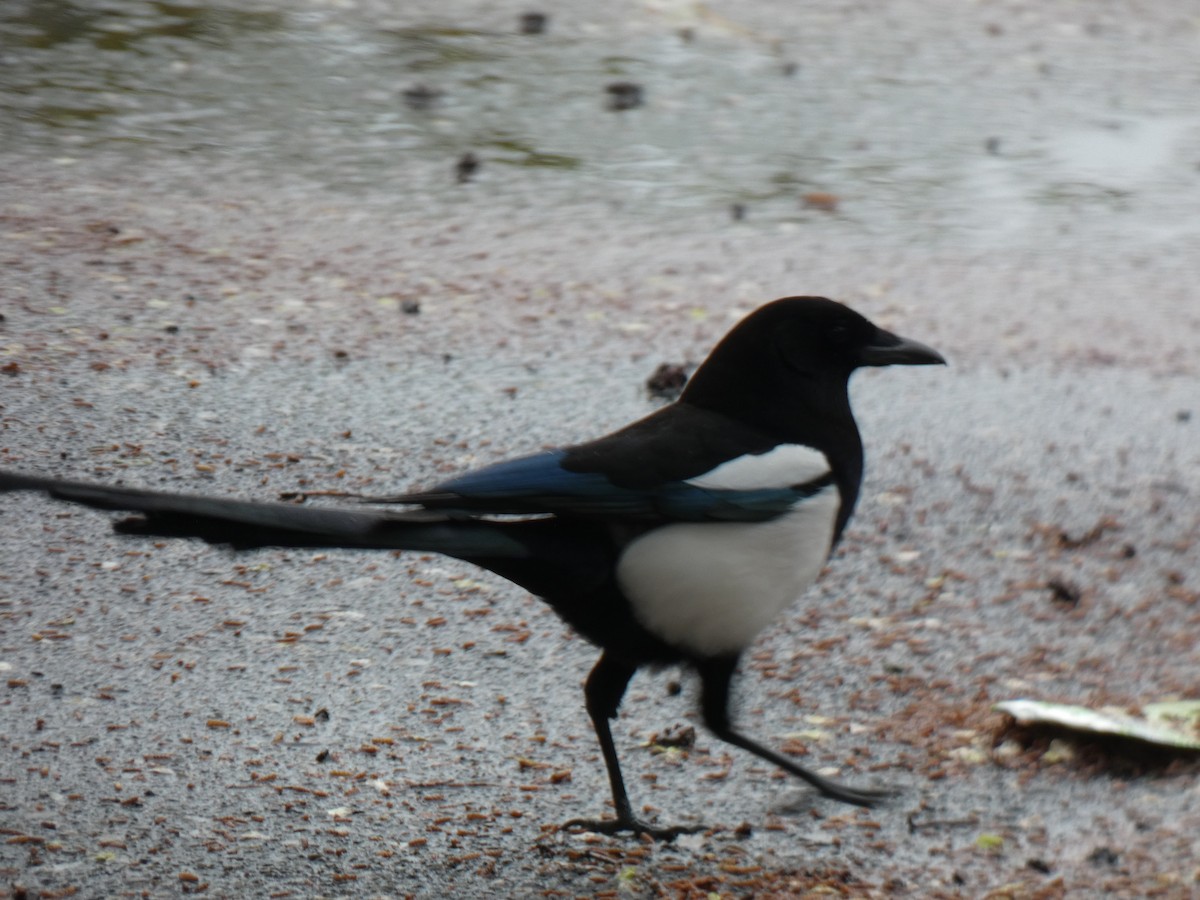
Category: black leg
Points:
column 715, row 676
column 604, row 689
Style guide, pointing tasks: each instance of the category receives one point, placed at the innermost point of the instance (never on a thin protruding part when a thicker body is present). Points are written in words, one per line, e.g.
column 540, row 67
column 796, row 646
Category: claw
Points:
column 632, row 825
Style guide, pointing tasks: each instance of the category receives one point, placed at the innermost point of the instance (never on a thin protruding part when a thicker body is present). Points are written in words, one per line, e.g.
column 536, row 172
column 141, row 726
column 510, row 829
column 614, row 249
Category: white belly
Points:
column 712, row 587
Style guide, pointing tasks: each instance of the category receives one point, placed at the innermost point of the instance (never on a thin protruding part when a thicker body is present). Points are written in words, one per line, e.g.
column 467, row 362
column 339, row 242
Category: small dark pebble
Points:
column 737, row 211
column 790, row 69
column 171, row 329
column 668, row 380
column 1064, row 593
column 466, row 167
column 533, row 22
column 421, row 97
column 56, row 690
column 321, row 715
column 992, row 146
column 1103, row 856
column 744, row 830
column 410, row 307
column 624, row 95
column 322, row 756
column 1184, row 415
column 1039, row 865
column 674, row 688
column 340, row 354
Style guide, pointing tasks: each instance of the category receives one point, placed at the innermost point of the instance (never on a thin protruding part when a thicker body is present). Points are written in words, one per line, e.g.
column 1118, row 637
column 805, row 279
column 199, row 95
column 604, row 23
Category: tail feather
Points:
column 246, row 524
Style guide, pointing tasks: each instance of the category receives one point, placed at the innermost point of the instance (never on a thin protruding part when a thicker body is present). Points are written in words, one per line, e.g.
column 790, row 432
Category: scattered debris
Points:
column 1168, row 724
column 680, row 736
column 989, row 843
column 821, row 200
column 421, row 97
column 668, row 380
column 1064, row 540
column 533, row 22
column 624, row 95
column 466, row 167
column 1064, row 592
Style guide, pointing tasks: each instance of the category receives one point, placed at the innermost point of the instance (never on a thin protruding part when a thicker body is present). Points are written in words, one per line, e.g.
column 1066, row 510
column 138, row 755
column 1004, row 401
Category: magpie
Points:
column 675, row 540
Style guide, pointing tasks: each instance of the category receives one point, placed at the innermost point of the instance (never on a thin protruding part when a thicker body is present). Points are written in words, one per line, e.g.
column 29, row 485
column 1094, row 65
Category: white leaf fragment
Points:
column 1168, row 724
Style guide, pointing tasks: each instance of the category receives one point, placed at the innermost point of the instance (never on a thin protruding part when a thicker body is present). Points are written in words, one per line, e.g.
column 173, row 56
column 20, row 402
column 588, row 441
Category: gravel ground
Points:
column 181, row 719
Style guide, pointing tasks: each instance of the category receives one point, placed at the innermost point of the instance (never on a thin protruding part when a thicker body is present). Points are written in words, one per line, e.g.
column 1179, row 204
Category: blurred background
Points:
column 915, row 124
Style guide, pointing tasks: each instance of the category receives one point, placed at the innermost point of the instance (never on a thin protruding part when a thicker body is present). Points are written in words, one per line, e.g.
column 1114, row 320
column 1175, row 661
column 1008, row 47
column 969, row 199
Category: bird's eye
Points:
column 839, row 332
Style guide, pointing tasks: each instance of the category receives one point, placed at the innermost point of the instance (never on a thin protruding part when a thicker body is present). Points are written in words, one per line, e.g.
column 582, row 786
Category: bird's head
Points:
column 798, row 351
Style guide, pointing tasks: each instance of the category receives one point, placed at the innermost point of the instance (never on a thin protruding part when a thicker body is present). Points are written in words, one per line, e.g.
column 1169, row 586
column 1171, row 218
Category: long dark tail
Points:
column 569, row 560
column 247, row 524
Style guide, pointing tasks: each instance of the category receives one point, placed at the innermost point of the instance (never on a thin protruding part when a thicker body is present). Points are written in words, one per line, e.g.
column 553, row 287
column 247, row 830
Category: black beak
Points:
column 887, row 349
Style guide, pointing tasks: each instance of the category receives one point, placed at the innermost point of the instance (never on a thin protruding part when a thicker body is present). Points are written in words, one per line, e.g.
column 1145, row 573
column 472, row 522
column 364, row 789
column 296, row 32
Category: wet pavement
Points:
column 239, row 256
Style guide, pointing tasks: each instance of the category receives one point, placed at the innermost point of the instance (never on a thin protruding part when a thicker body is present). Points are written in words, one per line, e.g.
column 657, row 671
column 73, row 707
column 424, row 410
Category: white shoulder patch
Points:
column 785, row 465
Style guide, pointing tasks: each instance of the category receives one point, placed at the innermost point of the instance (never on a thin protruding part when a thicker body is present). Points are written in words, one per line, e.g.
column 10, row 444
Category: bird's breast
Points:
column 710, row 588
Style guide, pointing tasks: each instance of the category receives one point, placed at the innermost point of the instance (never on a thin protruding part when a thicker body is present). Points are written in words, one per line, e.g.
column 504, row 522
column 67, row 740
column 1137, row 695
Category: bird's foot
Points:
column 631, row 824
